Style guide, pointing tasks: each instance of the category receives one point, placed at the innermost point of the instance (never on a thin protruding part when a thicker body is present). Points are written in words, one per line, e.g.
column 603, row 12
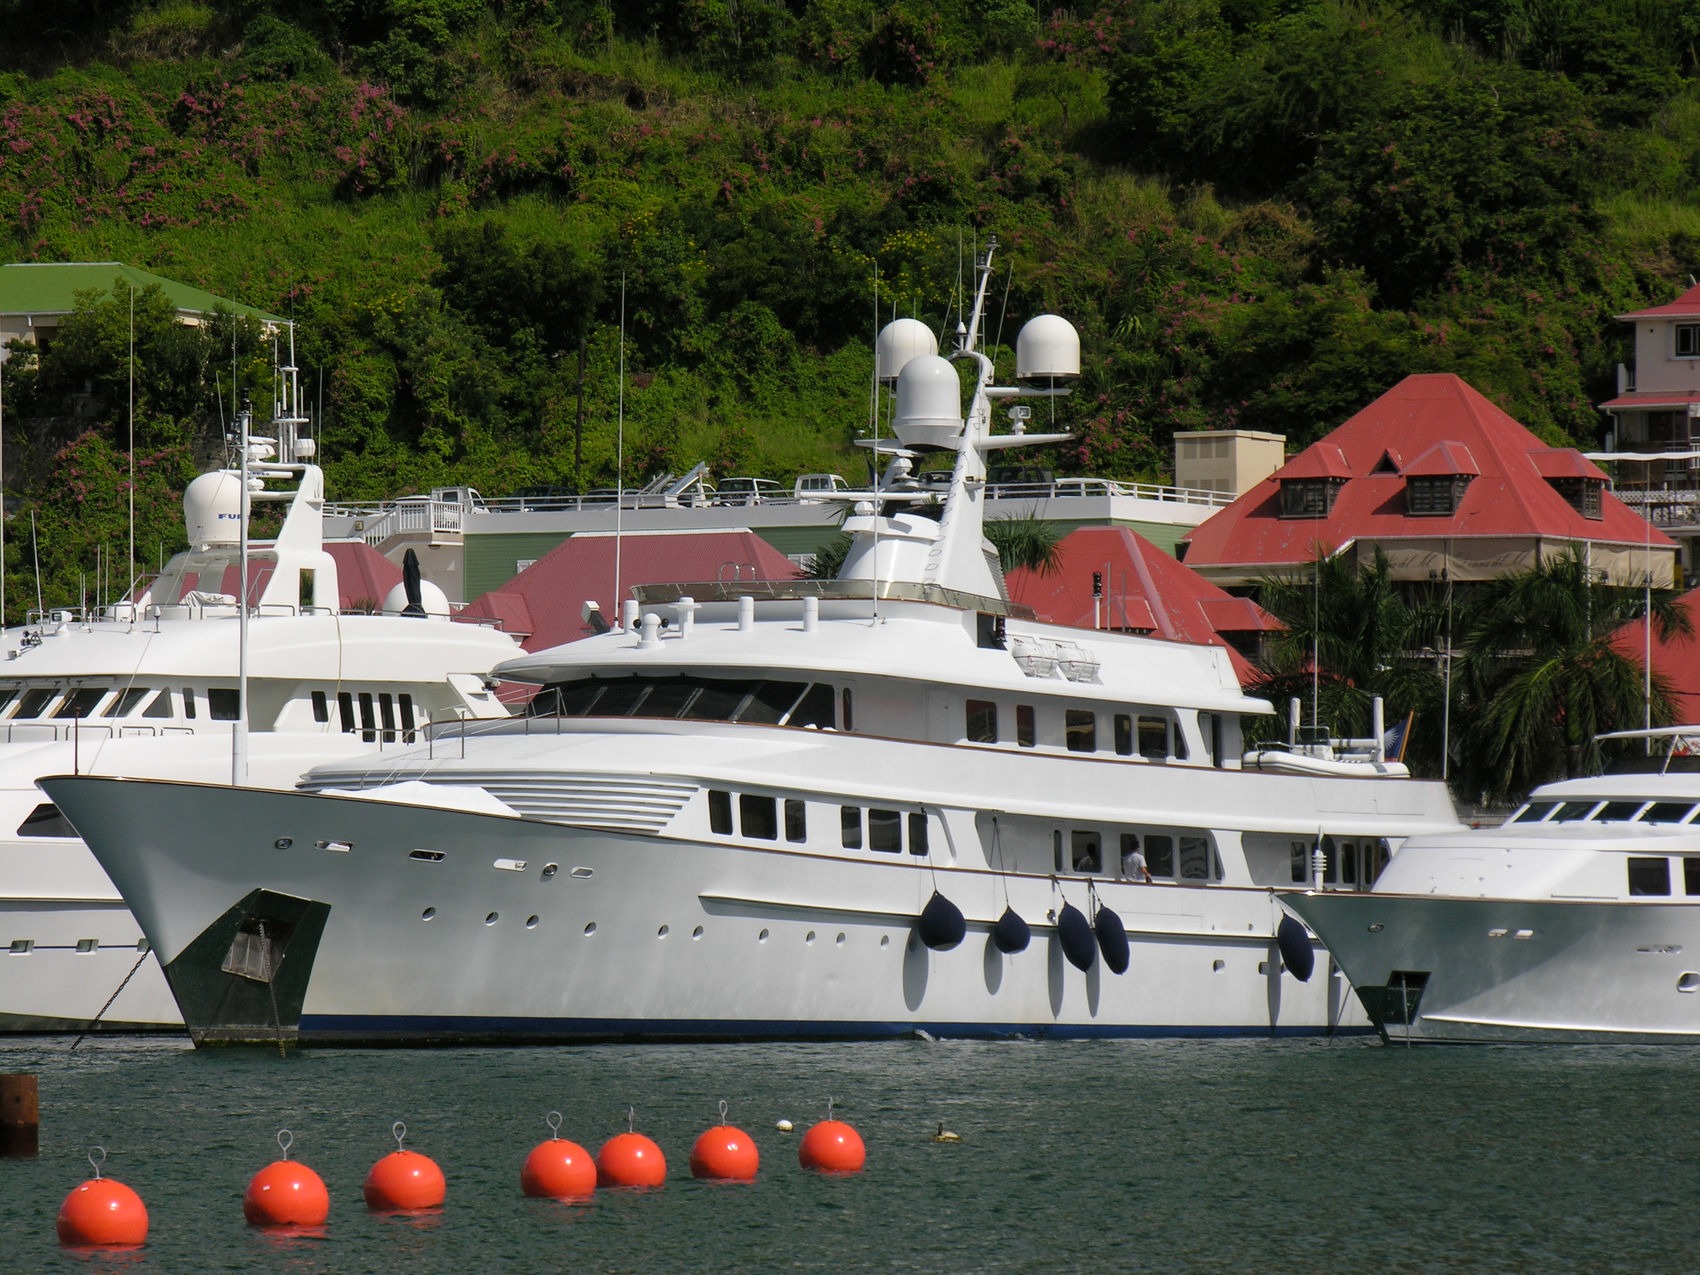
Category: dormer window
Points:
column 1435, row 494
column 1309, row 497
column 1582, row 494
column 1687, row 340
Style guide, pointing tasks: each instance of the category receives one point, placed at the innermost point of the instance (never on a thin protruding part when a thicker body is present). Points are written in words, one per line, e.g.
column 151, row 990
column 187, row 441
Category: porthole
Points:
column 531, row 922
column 427, row 914
column 283, row 843
column 1689, row 982
column 1217, row 967
column 885, row 940
column 490, row 918
column 550, row 869
column 762, row 937
column 589, row 928
column 663, row 931
column 840, row 939
column 696, row 934
column 809, row 939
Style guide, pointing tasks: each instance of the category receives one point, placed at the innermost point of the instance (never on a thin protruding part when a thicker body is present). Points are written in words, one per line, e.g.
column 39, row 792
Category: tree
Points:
column 1541, row 669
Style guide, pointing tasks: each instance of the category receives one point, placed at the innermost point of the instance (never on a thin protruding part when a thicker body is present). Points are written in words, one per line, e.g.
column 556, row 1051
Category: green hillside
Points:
column 1259, row 214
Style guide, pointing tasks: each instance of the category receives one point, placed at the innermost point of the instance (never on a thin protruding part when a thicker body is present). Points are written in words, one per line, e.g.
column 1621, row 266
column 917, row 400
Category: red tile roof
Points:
column 1677, row 660
column 1510, row 496
column 1688, row 304
column 1145, row 590
column 550, row 592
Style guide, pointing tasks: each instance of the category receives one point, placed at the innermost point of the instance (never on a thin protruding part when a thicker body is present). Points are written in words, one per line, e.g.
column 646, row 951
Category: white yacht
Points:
column 164, row 685
column 1576, row 920
column 884, row 804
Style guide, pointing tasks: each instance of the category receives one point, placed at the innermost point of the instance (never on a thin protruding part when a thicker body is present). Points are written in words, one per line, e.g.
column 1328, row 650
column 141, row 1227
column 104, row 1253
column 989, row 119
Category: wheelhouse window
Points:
column 1080, row 730
column 1534, row 812
column 1619, row 811
column 1649, row 876
column 692, row 698
column 80, row 702
column 124, row 703
column 982, row 721
column 1026, row 733
column 34, row 703
column 1667, row 812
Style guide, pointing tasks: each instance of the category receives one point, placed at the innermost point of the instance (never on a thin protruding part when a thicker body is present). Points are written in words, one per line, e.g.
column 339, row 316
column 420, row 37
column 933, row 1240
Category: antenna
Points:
column 239, row 731
column 132, row 576
column 620, row 450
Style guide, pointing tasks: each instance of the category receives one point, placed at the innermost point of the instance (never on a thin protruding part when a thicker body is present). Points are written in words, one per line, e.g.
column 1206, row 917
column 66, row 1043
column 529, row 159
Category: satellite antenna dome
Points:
column 929, row 403
column 212, row 509
column 898, row 342
column 1048, row 349
column 432, row 598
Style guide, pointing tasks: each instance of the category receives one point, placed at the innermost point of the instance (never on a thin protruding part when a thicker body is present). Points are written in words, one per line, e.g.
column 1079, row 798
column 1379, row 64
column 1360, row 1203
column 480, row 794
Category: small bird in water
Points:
column 941, row 1134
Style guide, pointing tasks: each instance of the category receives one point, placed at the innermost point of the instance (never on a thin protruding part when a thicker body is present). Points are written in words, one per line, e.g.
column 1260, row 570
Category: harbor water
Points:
column 1168, row 1155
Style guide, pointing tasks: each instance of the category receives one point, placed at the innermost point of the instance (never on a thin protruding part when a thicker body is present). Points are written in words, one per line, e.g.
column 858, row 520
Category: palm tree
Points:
column 1025, row 541
column 1540, row 666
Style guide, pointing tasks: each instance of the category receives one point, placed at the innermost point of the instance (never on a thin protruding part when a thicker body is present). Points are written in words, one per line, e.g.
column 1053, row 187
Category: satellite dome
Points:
column 433, row 599
column 929, row 403
column 1048, row 349
column 898, row 342
column 212, row 509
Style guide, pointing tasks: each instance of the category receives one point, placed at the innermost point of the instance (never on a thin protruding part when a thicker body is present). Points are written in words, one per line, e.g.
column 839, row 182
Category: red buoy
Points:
column 404, row 1181
column 630, row 1159
column 832, row 1147
column 725, row 1153
column 285, row 1193
column 558, row 1169
column 102, row 1213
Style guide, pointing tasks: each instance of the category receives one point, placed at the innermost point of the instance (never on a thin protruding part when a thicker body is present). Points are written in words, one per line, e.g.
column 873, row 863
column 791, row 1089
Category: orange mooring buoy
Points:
column 102, row 1212
column 725, row 1153
column 404, row 1181
column 832, row 1147
column 630, row 1159
column 558, row 1169
column 286, row 1193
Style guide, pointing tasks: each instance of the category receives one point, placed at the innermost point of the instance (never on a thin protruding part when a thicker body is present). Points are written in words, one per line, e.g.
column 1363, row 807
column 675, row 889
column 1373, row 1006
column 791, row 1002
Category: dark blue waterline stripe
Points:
column 339, row 1027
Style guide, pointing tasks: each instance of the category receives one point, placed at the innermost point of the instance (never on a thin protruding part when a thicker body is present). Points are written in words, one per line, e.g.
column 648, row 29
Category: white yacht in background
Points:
column 1577, row 920
column 884, row 804
column 155, row 686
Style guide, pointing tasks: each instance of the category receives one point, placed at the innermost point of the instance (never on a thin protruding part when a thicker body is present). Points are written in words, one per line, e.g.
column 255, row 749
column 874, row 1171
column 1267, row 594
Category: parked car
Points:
column 745, row 491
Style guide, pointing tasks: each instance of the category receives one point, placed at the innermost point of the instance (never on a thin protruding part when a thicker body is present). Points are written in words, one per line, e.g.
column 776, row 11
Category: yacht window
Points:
column 189, row 703
column 46, row 821
column 1153, row 737
column 796, row 820
column 885, row 831
column 1346, row 852
column 368, row 722
column 160, row 707
column 1300, row 860
column 80, row 702
column 1534, row 812
column 1129, row 848
column 1056, row 848
column 850, row 826
column 771, row 702
column 918, row 833
column 716, row 702
column 1025, row 734
column 223, row 705
column 1177, row 742
column 1619, row 811
column 982, row 721
column 1195, row 859
column 124, row 703
column 321, row 707
column 1160, row 854
column 815, row 709
column 1667, row 812
column 1085, row 851
column 33, row 702
column 1649, row 876
column 758, row 816
column 345, row 711
column 720, row 812
column 621, row 699
column 1124, row 735
column 7, row 695
column 572, row 700
column 1080, row 727
column 845, row 720
column 386, row 712
column 407, row 719
column 1571, row 811
column 670, row 697
column 1691, row 875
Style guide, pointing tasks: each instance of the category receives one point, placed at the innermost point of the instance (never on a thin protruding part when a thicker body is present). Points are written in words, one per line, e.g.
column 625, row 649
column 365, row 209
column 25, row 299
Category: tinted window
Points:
column 1667, row 812
column 1124, row 735
column 758, row 816
column 1649, row 876
column 1081, row 729
column 1570, row 811
column 885, row 830
column 1025, row 735
column 815, row 708
column 1619, row 811
column 80, row 702
column 222, row 705
column 1535, row 811
column 850, row 824
column 796, row 824
column 982, row 721
column 720, row 812
column 917, row 833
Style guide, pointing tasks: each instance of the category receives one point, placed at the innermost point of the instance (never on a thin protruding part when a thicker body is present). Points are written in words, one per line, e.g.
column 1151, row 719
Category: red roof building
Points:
column 1677, row 661
column 1446, row 485
column 1142, row 590
column 542, row 605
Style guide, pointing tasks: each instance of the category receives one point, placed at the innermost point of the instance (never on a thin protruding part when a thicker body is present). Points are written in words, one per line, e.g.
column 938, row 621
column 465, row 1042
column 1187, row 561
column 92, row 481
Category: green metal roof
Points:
column 45, row 288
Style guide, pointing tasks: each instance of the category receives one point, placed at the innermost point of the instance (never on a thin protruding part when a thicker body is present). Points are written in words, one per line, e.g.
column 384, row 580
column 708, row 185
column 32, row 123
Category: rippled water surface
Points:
column 1082, row 1156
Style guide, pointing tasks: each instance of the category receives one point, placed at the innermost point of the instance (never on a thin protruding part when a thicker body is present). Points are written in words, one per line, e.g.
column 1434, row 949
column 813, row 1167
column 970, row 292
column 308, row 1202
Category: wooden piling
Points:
column 20, row 1115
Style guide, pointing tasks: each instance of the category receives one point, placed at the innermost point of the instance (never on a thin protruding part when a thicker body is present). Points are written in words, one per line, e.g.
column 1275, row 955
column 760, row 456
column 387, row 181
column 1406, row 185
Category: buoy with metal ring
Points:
column 1297, row 954
column 102, row 1212
column 404, row 1181
column 630, row 1159
column 286, row 1192
column 832, row 1146
column 558, row 1169
column 1074, row 931
column 725, row 1153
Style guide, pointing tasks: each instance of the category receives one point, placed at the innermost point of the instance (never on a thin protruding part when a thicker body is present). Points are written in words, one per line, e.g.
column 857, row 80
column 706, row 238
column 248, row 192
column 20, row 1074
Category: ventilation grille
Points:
column 584, row 801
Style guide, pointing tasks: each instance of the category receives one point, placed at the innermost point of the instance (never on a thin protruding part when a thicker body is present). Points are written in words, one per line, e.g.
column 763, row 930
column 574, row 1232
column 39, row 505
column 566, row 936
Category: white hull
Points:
column 1481, row 970
column 642, row 936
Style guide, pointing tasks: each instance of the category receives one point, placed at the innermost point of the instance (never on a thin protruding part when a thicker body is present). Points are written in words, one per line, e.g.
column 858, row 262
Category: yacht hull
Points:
column 1433, row 968
column 397, row 924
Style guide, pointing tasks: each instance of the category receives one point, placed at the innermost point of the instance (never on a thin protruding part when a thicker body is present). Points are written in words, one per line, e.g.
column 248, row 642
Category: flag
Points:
column 1398, row 735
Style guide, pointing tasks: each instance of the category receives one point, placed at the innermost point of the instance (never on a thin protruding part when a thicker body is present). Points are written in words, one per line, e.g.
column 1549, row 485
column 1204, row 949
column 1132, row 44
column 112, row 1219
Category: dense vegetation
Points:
column 1259, row 213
